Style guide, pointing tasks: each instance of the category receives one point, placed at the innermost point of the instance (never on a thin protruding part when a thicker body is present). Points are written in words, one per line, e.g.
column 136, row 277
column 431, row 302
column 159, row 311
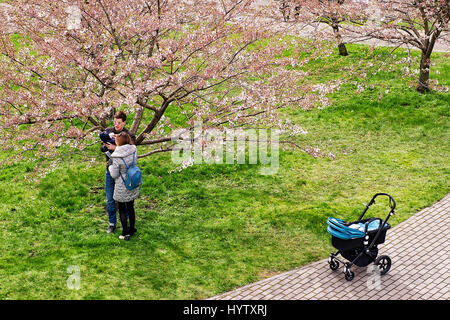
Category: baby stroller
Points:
column 357, row 241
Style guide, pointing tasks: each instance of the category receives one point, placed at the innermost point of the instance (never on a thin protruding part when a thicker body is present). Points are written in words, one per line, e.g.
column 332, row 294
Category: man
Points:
column 120, row 119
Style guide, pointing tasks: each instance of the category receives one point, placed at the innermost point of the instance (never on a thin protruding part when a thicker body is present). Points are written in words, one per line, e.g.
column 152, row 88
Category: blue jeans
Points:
column 110, row 203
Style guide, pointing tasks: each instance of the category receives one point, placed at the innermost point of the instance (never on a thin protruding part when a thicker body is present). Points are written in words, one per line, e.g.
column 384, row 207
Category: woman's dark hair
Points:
column 123, row 138
column 121, row 115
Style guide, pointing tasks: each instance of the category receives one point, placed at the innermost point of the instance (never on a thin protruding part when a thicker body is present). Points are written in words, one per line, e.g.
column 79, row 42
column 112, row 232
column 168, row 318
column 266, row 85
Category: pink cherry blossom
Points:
column 78, row 61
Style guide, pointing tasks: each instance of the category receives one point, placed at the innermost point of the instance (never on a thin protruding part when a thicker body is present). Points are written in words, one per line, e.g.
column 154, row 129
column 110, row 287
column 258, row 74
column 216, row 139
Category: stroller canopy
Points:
column 340, row 229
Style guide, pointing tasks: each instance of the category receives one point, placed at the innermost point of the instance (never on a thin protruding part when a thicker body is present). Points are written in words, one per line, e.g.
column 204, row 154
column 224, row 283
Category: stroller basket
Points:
column 357, row 241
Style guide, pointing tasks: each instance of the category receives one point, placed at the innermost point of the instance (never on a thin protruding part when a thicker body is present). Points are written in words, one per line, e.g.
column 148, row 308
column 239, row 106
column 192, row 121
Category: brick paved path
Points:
column 418, row 247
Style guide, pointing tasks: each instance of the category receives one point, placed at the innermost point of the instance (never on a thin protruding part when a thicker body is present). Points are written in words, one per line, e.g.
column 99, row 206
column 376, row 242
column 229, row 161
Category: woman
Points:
column 125, row 151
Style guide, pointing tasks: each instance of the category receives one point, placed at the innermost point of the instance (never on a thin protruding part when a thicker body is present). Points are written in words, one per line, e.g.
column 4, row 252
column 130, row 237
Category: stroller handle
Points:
column 391, row 200
column 392, row 204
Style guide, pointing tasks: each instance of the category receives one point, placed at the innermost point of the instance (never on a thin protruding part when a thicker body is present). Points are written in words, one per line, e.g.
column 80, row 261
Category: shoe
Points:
column 111, row 229
column 126, row 237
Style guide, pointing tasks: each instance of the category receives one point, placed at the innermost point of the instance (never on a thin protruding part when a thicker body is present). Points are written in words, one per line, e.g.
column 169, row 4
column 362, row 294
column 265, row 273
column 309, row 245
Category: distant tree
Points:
column 417, row 23
column 330, row 12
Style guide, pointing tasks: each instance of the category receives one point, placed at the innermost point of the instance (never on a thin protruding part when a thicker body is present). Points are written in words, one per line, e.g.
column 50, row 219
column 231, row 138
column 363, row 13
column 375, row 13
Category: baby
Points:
column 108, row 138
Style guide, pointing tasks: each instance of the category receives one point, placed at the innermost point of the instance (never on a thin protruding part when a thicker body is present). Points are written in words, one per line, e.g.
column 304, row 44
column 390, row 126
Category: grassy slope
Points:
column 207, row 229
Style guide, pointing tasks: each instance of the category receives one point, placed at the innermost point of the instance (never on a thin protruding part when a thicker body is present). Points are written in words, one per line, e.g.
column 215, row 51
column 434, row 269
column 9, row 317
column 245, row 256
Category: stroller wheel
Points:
column 384, row 264
column 349, row 275
column 334, row 264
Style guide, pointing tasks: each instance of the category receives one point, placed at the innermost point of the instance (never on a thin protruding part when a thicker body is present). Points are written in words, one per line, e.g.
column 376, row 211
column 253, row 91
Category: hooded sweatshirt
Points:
column 118, row 169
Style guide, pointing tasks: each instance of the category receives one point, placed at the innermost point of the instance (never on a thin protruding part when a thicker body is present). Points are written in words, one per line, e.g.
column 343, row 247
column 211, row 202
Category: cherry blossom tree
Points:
column 416, row 23
column 332, row 13
column 169, row 63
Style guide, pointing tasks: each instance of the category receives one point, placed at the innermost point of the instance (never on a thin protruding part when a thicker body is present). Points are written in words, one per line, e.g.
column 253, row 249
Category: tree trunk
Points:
column 156, row 117
column 341, row 44
column 424, row 73
column 342, row 49
column 137, row 120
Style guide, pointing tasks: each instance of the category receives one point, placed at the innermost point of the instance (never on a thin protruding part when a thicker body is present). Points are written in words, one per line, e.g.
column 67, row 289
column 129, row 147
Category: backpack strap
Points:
column 124, row 163
column 127, row 166
column 131, row 162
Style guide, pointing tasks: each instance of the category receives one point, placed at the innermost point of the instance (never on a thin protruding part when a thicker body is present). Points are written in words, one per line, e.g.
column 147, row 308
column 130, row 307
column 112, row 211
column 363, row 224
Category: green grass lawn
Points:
column 210, row 228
